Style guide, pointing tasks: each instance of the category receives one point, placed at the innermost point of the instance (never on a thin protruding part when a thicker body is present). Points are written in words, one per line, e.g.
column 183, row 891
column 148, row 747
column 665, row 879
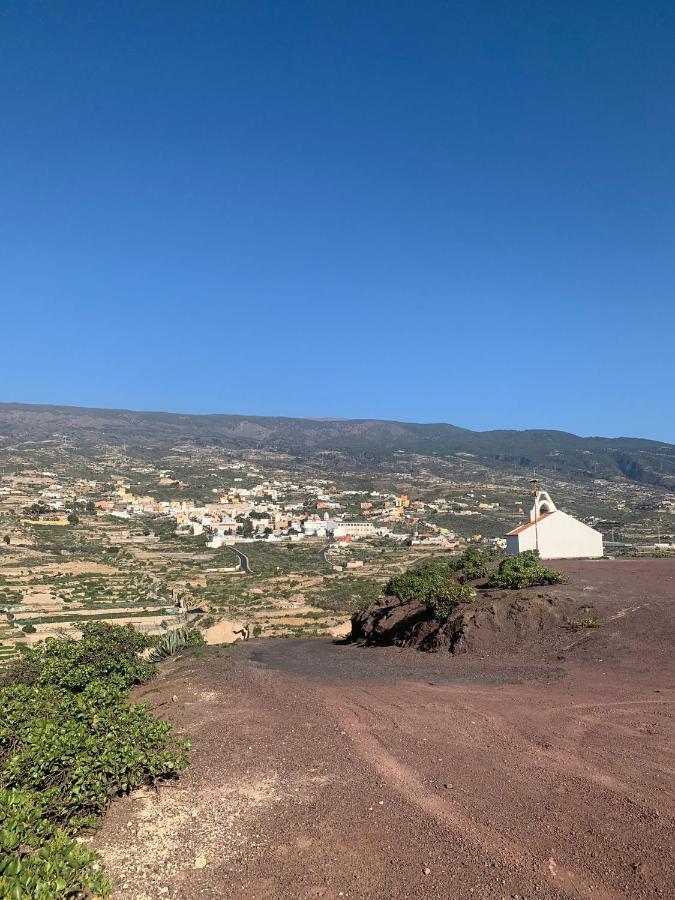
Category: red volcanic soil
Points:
column 321, row 770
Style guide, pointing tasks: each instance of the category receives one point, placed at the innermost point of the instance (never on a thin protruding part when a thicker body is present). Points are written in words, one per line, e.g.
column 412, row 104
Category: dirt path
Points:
column 326, row 771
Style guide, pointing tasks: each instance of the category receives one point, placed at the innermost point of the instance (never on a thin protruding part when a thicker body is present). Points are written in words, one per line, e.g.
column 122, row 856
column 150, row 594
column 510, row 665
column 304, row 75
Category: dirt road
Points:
column 321, row 770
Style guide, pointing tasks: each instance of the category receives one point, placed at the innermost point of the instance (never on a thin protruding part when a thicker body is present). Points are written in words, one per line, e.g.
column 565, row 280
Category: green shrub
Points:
column 81, row 749
column 424, row 582
column 195, row 638
column 455, row 593
column 524, row 570
column 29, row 628
column 589, row 622
column 40, row 860
column 108, row 652
column 432, row 584
column 69, row 742
column 471, row 564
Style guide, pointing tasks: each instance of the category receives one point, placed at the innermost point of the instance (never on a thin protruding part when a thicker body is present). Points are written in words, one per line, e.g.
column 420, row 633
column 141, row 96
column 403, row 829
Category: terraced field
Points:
column 48, row 601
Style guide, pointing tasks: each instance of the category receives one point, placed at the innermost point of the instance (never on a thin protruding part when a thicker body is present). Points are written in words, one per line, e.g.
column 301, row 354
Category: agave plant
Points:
column 169, row 644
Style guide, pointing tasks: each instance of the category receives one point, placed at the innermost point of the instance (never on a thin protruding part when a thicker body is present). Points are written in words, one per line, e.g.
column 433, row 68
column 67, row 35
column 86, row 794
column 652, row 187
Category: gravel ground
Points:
column 321, row 770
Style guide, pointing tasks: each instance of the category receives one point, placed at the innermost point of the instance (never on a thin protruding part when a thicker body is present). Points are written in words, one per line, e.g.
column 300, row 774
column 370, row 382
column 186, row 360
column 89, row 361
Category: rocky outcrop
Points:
column 494, row 621
column 387, row 620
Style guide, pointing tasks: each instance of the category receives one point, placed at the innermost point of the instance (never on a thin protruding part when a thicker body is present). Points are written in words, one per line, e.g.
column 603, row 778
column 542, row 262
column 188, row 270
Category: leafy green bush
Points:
column 425, row 582
column 69, row 742
column 81, row 749
column 455, row 593
column 524, row 570
column 194, row 638
column 432, row 584
column 471, row 564
column 40, row 860
column 108, row 652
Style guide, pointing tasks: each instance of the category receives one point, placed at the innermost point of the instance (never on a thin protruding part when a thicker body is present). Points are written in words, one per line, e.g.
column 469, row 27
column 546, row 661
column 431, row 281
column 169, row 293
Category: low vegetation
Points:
column 174, row 641
column 441, row 584
column 39, row 859
column 524, row 570
column 589, row 622
column 434, row 584
column 69, row 742
column 471, row 565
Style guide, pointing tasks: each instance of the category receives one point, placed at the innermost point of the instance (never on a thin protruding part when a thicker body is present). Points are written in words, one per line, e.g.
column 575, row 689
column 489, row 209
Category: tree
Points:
column 73, row 518
column 90, row 507
column 36, row 510
column 247, row 529
column 7, row 539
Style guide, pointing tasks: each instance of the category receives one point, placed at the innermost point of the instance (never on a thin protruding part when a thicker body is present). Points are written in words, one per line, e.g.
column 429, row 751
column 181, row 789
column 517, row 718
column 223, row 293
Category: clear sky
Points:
column 427, row 211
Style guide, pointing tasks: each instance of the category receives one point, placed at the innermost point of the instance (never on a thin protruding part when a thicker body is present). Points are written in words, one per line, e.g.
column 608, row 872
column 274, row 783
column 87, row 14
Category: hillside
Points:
column 645, row 461
column 324, row 770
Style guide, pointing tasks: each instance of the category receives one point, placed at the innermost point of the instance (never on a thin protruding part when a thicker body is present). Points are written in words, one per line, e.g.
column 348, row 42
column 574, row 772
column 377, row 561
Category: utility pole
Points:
column 535, row 493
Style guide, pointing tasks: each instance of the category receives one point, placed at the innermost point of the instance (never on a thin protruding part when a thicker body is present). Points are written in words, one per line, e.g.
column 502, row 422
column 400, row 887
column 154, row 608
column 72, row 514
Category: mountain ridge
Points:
column 637, row 459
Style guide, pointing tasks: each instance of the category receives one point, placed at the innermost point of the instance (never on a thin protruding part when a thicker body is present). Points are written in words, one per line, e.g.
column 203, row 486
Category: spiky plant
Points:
column 169, row 644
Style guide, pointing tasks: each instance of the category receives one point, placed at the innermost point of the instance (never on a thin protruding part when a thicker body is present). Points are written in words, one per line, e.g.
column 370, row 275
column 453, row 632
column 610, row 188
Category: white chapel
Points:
column 555, row 534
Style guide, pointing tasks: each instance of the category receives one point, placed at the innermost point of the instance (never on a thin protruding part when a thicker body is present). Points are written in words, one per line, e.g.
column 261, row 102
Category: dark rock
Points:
column 490, row 622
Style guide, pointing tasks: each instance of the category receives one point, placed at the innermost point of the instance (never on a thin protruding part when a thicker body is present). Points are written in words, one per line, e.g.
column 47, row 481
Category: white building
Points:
column 315, row 529
column 354, row 530
column 555, row 534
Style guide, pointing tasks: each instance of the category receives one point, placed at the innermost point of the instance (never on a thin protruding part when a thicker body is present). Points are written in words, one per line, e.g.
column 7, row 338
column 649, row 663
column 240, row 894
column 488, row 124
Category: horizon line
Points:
column 119, row 409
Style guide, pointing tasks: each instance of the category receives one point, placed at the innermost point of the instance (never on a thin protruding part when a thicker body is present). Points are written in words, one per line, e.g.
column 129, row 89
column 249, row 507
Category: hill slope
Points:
column 365, row 439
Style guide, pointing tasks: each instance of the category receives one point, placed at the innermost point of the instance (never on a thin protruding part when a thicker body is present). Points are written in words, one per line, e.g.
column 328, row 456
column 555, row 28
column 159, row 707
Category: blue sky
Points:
column 459, row 212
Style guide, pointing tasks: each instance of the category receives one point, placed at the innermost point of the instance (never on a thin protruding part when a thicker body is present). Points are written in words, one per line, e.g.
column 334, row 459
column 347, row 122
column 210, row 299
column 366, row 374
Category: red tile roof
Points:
column 527, row 524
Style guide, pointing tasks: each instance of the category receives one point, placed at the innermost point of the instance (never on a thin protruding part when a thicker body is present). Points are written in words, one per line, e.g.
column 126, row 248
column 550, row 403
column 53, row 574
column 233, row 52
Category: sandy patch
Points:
column 223, row 632
column 174, row 831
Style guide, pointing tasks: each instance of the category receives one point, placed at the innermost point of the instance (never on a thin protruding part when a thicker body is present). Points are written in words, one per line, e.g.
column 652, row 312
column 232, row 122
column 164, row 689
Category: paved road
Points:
column 243, row 561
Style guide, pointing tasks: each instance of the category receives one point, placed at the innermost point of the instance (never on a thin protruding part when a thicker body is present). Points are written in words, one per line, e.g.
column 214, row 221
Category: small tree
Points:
column 73, row 518
column 7, row 539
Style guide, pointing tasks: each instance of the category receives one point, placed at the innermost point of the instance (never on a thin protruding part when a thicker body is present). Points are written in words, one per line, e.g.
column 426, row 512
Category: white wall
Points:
column 560, row 537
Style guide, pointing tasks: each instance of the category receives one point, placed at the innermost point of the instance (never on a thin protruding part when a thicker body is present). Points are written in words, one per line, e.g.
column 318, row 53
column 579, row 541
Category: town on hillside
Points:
column 226, row 539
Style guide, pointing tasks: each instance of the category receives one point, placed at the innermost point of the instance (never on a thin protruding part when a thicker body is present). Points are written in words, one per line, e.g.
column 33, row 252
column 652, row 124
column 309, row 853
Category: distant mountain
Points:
column 649, row 462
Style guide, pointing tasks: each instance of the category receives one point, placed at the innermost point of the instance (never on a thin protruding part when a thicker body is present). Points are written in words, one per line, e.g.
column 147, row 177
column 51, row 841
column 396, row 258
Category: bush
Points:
column 455, row 593
column 108, row 652
column 589, row 622
column 424, row 582
column 433, row 585
column 69, row 742
column 80, row 750
column 40, row 860
column 29, row 628
column 472, row 564
column 194, row 638
column 524, row 570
